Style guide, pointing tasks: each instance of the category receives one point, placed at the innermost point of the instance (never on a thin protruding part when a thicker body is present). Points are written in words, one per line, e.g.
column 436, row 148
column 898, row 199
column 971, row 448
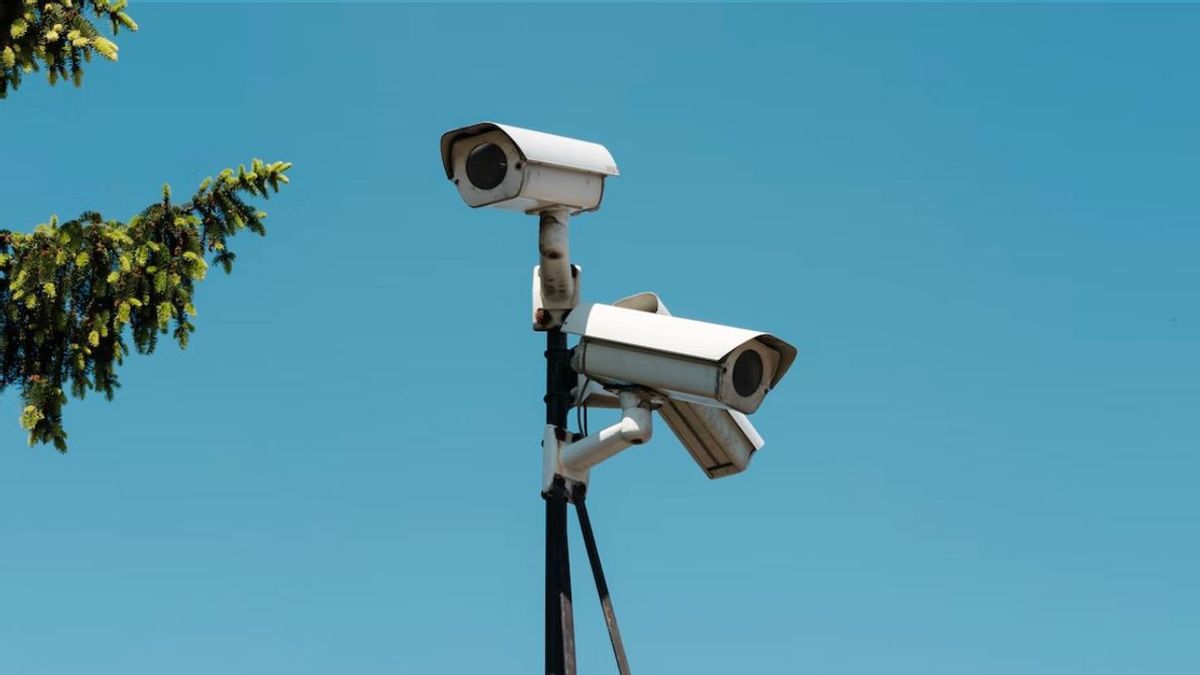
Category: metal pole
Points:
column 560, row 624
column 555, row 514
column 610, row 615
column 566, row 607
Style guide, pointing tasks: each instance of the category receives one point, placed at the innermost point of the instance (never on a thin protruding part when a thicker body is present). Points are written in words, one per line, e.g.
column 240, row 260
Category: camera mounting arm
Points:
column 555, row 279
column 558, row 283
column 572, row 458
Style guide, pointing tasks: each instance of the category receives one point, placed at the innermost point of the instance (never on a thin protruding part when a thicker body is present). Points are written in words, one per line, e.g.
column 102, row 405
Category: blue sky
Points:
column 978, row 224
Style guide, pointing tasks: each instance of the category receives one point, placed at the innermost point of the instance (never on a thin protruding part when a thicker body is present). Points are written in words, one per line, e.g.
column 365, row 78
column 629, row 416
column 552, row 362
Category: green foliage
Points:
column 57, row 34
column 71, row 292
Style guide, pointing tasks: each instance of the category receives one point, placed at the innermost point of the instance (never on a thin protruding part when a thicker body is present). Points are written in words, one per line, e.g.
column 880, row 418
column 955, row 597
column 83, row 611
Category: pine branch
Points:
column 56, row 35
column 70, row 292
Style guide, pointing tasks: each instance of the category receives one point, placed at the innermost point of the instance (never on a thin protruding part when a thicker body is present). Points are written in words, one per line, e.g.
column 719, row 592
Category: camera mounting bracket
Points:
column 572, row 456
column 545, row 317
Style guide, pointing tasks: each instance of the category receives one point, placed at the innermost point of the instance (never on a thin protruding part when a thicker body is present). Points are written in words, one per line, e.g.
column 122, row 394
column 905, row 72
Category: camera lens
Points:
column 747, row 373
column 486, row 166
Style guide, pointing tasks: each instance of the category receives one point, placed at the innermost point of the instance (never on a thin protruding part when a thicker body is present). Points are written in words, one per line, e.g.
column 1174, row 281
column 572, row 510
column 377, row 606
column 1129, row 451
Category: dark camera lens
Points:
column 486, row 166
column 747, row 373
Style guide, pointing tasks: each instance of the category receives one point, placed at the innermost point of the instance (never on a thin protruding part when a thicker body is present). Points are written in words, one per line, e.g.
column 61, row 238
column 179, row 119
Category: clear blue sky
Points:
column 979, row 225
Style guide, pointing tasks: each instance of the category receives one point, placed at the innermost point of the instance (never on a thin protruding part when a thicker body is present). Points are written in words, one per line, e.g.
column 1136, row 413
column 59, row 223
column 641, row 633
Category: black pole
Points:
column 560, row 379
column 610, row 615
column 566, row 607
column 555, row 514
column 560, row 624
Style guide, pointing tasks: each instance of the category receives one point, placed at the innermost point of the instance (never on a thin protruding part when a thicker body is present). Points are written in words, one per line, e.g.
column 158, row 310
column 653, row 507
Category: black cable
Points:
column 580, row 410
column 579, row 416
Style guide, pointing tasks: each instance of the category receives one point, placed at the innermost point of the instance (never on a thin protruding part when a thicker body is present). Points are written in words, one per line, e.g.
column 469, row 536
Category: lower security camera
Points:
column 513, row 168
column 722, row 442
column 685, row 360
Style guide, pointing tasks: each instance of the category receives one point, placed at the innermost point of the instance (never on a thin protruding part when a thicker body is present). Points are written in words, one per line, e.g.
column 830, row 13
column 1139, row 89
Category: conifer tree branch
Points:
column 56, row 34
column 70, row 292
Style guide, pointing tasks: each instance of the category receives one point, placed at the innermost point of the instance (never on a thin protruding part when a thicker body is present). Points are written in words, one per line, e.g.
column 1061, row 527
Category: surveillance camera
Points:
column 721, row 441
column 513, row 168
column 685, row 360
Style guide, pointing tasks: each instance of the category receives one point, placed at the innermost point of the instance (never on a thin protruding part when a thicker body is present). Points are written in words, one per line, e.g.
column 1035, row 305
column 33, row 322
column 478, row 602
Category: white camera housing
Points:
column 722, row 442
column 685, row 360
column 524, row 170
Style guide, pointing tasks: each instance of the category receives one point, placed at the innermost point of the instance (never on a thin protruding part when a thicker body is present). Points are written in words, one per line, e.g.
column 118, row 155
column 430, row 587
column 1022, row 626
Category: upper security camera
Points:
column 686, row 360
column 513, row 168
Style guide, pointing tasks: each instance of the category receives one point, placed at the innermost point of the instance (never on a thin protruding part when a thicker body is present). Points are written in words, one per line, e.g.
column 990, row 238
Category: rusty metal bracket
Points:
column 546, row 316
column 555, row 279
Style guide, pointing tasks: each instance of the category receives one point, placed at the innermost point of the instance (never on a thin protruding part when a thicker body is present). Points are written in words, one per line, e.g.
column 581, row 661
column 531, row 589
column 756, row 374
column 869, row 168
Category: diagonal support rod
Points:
column 578, row 496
